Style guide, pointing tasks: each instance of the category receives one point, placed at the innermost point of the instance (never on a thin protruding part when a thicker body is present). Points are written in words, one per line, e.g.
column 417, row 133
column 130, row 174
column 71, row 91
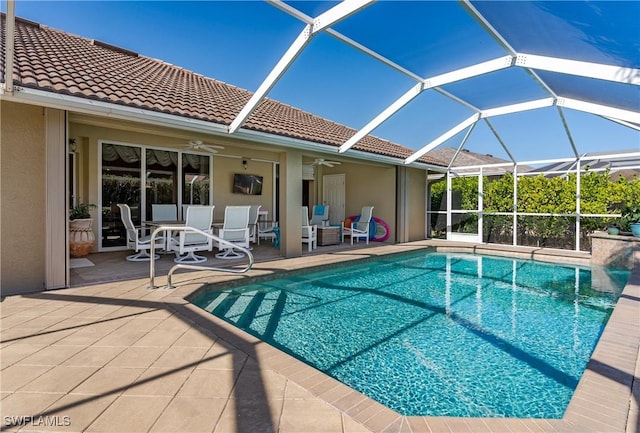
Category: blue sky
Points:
column 238, row 42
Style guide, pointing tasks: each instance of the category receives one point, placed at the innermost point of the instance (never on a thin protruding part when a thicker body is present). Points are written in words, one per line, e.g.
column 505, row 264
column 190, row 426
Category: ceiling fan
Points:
column 200, row 145
column 322, row 161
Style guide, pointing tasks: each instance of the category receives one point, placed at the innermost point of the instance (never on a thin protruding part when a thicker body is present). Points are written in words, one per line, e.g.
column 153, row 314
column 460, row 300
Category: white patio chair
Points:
column 320, row 214
column 359, row 229
column 253, row 223
column 235, row 229
column 268, row 231
column 309, row 232
column 164, row 212
column 187, row 243
column 136, row 239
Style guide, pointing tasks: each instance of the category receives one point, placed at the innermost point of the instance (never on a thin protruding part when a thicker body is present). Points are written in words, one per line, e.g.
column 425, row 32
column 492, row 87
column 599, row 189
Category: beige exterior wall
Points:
column 368, row 185
column 416, row 207
column 23, row 183
column 89, row 132
column 23, row 197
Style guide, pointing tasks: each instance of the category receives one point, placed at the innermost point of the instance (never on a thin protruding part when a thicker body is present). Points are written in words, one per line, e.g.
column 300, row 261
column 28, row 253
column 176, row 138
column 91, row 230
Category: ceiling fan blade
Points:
column 199, row 145
column 211, row 148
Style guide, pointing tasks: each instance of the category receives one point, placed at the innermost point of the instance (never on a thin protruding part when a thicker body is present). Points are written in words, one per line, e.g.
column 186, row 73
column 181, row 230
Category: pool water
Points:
column 437, row 334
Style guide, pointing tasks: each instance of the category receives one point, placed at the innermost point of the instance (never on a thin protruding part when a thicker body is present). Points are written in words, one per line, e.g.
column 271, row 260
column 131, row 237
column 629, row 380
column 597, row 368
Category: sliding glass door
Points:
column 160, row 177
column 121, row 180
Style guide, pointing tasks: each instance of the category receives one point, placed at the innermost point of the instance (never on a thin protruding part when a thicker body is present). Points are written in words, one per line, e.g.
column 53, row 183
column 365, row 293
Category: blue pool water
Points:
column 437, row 334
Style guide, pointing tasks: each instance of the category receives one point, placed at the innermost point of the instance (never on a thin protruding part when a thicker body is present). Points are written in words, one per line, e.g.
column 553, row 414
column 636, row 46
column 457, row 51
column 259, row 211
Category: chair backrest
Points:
column 253, row 213
column 125, row 216
column 365, row 217
column 201, row 218
column 164, row 212
column 320, row 214
column 253, row 221
column 305, row 216
column 366, row 214
column 236, row 217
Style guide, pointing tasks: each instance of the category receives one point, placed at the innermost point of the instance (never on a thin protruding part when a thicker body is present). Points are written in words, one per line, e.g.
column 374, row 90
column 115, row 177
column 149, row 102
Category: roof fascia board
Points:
column 335, row 14
column 91, row 107
column 599, row 109
column 599, row 71
column 9, row 49
column 388, row 112
column 444, row 137
column 88, row 106
column 516, row 108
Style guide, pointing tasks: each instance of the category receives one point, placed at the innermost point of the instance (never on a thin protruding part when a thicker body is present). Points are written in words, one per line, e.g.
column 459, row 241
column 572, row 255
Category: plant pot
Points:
column 635, row 229
column 613, row 230
column 81, row 237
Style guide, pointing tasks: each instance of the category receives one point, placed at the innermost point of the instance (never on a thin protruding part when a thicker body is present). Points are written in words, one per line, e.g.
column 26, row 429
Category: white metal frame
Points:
column 530, row 62
column 480, row 171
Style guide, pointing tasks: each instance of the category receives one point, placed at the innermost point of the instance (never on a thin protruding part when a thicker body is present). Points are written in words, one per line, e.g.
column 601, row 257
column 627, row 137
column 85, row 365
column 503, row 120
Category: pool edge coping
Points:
column 593, row 406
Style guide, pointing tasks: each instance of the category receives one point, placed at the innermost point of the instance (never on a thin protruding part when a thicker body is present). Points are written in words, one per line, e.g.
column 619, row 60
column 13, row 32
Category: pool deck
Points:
column 117, row 357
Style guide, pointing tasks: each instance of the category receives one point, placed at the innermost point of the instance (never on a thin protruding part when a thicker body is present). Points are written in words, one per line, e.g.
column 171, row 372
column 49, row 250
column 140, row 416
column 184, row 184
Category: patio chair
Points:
column 359, row 229
column 187, row 243
column 253, row 222
column 320, row 215
column 164, row 212
column 309, row 232
column 270, row 231
column 235, row 229
column 136, row 239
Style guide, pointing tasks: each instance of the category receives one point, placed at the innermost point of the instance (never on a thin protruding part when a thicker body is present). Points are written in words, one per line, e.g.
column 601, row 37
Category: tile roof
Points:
column 52, row 60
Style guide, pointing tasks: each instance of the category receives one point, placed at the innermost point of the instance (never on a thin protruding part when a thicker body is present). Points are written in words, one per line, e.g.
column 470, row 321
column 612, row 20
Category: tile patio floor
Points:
column 116, row 357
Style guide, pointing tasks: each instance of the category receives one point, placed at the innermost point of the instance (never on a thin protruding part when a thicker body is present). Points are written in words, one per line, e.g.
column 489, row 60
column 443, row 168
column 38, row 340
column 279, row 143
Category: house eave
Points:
column 116, row 111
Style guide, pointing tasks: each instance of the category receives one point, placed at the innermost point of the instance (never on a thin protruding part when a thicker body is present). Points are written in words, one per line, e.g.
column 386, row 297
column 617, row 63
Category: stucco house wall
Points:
column 22, row 188
column 416, row 193
column 23, row 183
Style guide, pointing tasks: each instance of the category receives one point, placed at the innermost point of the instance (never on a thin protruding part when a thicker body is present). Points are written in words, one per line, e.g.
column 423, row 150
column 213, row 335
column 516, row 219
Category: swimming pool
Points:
column 437, row 334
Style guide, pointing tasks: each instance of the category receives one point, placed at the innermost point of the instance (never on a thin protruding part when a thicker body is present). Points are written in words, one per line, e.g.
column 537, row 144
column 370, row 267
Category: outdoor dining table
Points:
column 154, row 224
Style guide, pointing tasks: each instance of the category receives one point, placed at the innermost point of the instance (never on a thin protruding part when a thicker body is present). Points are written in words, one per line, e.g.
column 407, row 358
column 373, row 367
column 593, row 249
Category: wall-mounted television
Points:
column 249, row 184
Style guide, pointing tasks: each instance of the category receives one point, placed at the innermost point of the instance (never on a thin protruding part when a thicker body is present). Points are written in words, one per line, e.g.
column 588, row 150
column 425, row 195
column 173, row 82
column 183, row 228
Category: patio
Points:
column 114, row 356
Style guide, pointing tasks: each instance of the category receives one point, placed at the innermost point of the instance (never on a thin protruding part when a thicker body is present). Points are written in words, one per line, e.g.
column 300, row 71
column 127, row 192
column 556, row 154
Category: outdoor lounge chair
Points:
column 309, row 232
column 136, row 239
column 187, row 243
column 359, row 229
column 236, row 230
column 320, row 215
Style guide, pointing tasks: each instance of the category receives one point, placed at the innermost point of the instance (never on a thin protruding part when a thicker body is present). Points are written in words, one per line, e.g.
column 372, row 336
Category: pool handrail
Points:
column 182, row 228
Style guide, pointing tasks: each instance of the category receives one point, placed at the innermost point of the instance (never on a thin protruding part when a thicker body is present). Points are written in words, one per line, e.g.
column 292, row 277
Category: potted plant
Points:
column 631, row 218
column 613, row 229
column 81, row 237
